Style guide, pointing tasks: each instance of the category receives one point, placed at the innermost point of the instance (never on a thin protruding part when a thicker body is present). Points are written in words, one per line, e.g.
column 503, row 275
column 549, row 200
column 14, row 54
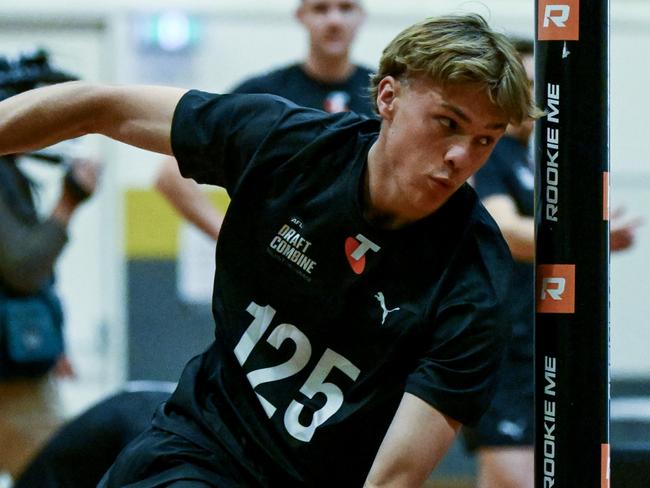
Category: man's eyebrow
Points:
column 463, row 116
column 497, row 126
column 457, row 110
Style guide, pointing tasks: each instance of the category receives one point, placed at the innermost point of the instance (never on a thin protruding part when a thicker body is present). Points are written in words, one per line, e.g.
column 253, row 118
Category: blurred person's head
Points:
column 331, row 24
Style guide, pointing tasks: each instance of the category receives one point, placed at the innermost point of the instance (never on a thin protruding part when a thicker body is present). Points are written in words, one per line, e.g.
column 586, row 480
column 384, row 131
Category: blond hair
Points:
column 461, row 49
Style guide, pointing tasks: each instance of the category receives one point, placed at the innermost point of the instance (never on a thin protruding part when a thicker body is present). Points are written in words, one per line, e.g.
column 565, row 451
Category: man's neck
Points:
column 328, row 69
column 377, row 197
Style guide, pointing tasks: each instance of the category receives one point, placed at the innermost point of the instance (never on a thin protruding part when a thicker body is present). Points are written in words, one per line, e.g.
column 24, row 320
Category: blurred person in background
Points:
column 32, row 352
column 326, row 79
column 104, row 430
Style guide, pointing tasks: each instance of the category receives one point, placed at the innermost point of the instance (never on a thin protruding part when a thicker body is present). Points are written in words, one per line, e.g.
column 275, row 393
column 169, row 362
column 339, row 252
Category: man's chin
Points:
column 335, row 49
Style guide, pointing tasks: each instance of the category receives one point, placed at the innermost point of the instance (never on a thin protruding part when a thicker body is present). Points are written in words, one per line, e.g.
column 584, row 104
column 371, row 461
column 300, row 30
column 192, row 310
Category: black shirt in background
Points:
column 293, row 83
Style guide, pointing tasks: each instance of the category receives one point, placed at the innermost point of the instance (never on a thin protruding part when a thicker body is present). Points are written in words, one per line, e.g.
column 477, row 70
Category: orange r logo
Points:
column 558, row 20
column 555, row 288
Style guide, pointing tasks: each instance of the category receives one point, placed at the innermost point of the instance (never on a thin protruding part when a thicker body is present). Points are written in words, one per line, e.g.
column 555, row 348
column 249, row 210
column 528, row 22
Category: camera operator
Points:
column 31, row 338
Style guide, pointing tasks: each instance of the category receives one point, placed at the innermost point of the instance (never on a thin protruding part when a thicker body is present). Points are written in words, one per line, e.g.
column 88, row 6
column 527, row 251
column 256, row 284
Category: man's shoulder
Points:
column 362, row 70
column 268, row 81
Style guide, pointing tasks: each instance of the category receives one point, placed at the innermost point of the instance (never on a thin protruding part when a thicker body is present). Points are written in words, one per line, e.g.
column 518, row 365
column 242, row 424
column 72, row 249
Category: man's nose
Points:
column 458, row 155
column 334, row 16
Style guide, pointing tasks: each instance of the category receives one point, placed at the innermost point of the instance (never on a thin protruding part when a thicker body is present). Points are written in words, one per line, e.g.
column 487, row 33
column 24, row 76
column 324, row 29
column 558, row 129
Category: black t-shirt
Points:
column 293, row 83
column 508, row 172
column 323, row 320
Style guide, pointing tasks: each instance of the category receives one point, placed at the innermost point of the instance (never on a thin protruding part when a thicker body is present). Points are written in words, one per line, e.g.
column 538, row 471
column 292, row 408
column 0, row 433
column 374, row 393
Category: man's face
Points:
column 433, row 139
column 332, row 24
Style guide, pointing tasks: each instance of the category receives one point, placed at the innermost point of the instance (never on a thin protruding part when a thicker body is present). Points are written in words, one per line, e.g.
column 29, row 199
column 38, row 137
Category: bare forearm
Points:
column 42, row 117
column 200, row 211
column 139, row 116
column 186, row 196
column 518, row 230
column 520, row 236
column 416, row 441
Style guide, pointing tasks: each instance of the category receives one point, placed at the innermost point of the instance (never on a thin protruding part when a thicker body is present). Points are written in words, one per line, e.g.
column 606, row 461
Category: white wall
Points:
column 241, row 37
column 630, row 149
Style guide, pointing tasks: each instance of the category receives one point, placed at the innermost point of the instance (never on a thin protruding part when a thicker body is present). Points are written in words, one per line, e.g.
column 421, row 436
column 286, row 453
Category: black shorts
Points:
column 509, row 422
column 158, row 459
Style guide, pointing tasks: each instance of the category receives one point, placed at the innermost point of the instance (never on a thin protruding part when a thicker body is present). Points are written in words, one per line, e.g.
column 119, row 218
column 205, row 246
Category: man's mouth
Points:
column 442, row 181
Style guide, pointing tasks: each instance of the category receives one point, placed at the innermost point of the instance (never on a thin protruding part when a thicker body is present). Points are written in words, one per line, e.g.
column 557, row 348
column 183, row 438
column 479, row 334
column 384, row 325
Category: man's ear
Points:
column 387, row 93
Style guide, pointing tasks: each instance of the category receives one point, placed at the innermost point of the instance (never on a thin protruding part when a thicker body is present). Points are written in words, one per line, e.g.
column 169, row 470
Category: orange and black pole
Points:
column 572, row 250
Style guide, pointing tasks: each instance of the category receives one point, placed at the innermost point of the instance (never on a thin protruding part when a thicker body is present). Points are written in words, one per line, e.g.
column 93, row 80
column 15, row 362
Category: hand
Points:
column 622, row 233
column 63, row 368
column 81, row 180
column 78, row 185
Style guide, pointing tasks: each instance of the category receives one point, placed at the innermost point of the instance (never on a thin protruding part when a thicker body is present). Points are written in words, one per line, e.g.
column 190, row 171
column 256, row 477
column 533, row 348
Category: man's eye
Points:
column 447, row 122
column 485, row 141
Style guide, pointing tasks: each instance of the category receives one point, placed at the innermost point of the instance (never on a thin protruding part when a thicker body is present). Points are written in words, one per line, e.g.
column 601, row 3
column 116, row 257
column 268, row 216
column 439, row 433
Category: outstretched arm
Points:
column 417, row 439
column 519, row 230
column 186, row 196
column 137, row 115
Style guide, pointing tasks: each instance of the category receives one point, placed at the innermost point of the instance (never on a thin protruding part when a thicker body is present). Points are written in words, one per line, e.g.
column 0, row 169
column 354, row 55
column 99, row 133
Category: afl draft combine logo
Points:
column 555, row 288
column 558, row 20
column 355, row 251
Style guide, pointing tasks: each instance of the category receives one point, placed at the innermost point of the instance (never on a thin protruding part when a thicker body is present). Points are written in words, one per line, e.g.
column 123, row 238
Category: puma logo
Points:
column 385, row 311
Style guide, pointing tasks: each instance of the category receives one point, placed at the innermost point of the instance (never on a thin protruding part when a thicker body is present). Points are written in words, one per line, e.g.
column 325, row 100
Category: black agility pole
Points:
column 572, row 245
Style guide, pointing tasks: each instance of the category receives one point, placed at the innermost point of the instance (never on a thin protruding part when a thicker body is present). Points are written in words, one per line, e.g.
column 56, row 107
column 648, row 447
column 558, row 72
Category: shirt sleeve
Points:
column 457, row 372
column 217, row 138
column 28, row 252
column 252, row 85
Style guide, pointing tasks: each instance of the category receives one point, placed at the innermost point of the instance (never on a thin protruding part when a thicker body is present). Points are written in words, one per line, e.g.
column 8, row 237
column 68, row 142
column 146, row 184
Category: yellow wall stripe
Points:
column 152, row 223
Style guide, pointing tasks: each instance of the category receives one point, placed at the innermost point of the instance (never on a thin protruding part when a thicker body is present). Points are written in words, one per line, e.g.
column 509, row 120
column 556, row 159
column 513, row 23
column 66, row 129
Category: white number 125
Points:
column 315, row 382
